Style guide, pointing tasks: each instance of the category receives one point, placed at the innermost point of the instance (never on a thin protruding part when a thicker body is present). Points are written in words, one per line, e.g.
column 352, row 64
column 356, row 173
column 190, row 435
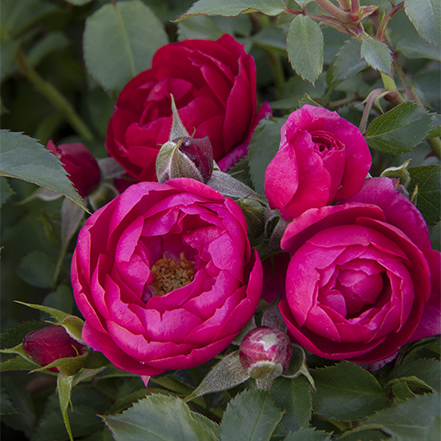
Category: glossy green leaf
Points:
column 377, row 55
column 119, row 42
column 304, row 43
column 262, row 149
column 413, row 46
column 409, row 421
column 156, row 417
column 229, row 8
column 399, row 130
column 425, row 15
column 24, row 158
column 250, row 416
column 427, row 370
column 308, row 434
column 428, row 202
column 347, row 392
column 294, row 396
column 348, row 61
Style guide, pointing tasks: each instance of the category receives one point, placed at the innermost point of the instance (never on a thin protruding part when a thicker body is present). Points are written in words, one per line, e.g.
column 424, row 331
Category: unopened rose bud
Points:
column 49, row 344
column 265, row 353
column 80, row 165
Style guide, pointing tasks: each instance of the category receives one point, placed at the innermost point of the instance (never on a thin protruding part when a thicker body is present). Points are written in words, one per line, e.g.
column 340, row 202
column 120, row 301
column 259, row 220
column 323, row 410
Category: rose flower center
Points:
column 169, row 275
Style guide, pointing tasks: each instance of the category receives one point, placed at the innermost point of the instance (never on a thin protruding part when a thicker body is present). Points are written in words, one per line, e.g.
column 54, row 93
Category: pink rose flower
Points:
column 49, row 344
column 322, row 158
column 80, row 165
column 363, row 279
column 214, row 87
column 164, row 276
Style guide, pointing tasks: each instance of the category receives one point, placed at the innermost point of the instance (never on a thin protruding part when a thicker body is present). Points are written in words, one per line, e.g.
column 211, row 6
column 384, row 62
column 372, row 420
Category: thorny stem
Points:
column 336, row 12
column 382, row 28
column 53, row 96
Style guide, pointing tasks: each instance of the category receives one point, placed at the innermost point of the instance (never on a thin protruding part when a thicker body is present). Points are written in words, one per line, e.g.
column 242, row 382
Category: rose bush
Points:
column 214, row 86
column 80, row 164
column 363, row 279
column 322, row 158
column 164, row 276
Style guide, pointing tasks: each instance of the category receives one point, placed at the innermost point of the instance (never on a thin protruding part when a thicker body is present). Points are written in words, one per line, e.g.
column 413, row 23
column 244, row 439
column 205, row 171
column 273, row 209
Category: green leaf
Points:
column 425, row 15
column 304, row 43
column 250, row 416
column 64, row 390
column 17, row 364
column 347, row 392
column 37, row 269
column 120, row 40
column 294, row 396
column 262, row 149
column 348, row 61
column 377, row 55
column 156, row 417
column 5, row 190
column 24, row 158
column 78, row 2
column 435, row 132
column 413, row 46
column 52, row 42
column 408, row 421
column 229, row 8
column 399, row 130
column 6, row 405
column 17, row 15
column 212, row 429
column 71, row 323
column 7, row 54
column 14, row 336
column 308, row 434
column 428, row 179
column 427, row 370
column 226, row 374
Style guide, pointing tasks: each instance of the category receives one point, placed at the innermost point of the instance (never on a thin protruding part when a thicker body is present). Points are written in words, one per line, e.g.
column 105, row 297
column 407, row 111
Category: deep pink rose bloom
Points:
column 363, row 279
column 164, row 276
column 49, row 344
column 214, row 87
column 322, row 158
column 80, row 165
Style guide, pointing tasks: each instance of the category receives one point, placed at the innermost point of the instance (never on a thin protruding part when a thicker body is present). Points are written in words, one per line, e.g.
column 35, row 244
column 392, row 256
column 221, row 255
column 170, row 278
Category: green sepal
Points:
column 64, row 390
column 71, row 323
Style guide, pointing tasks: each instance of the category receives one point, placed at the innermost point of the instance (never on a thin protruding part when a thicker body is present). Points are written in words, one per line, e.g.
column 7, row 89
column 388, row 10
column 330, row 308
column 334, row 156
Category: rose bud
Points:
column 49, row 344
column 265, row 353
column 185, row 158
column 80, row 165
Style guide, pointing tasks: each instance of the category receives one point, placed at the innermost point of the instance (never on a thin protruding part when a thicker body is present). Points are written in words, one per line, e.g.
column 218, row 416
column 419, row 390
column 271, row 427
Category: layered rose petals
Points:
column 113, row 275
column 358, row 286
column 322, row 158
column 214, row 87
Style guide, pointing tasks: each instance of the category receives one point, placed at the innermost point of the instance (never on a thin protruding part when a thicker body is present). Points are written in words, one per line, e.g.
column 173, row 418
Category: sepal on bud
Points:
column 183, row 156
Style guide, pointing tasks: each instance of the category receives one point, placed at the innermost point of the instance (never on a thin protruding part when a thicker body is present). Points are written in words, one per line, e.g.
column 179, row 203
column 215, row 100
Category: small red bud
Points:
column 265, row 353
column 79, row 163
column 49, row 344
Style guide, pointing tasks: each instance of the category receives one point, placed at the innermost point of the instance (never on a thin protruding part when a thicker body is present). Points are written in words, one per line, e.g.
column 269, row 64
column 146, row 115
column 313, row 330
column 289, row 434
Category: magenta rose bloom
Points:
column 164, row 276
column 214, row 87
column 363, row 279
column 80, row 165
column 49, row 344
column 322, row 158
